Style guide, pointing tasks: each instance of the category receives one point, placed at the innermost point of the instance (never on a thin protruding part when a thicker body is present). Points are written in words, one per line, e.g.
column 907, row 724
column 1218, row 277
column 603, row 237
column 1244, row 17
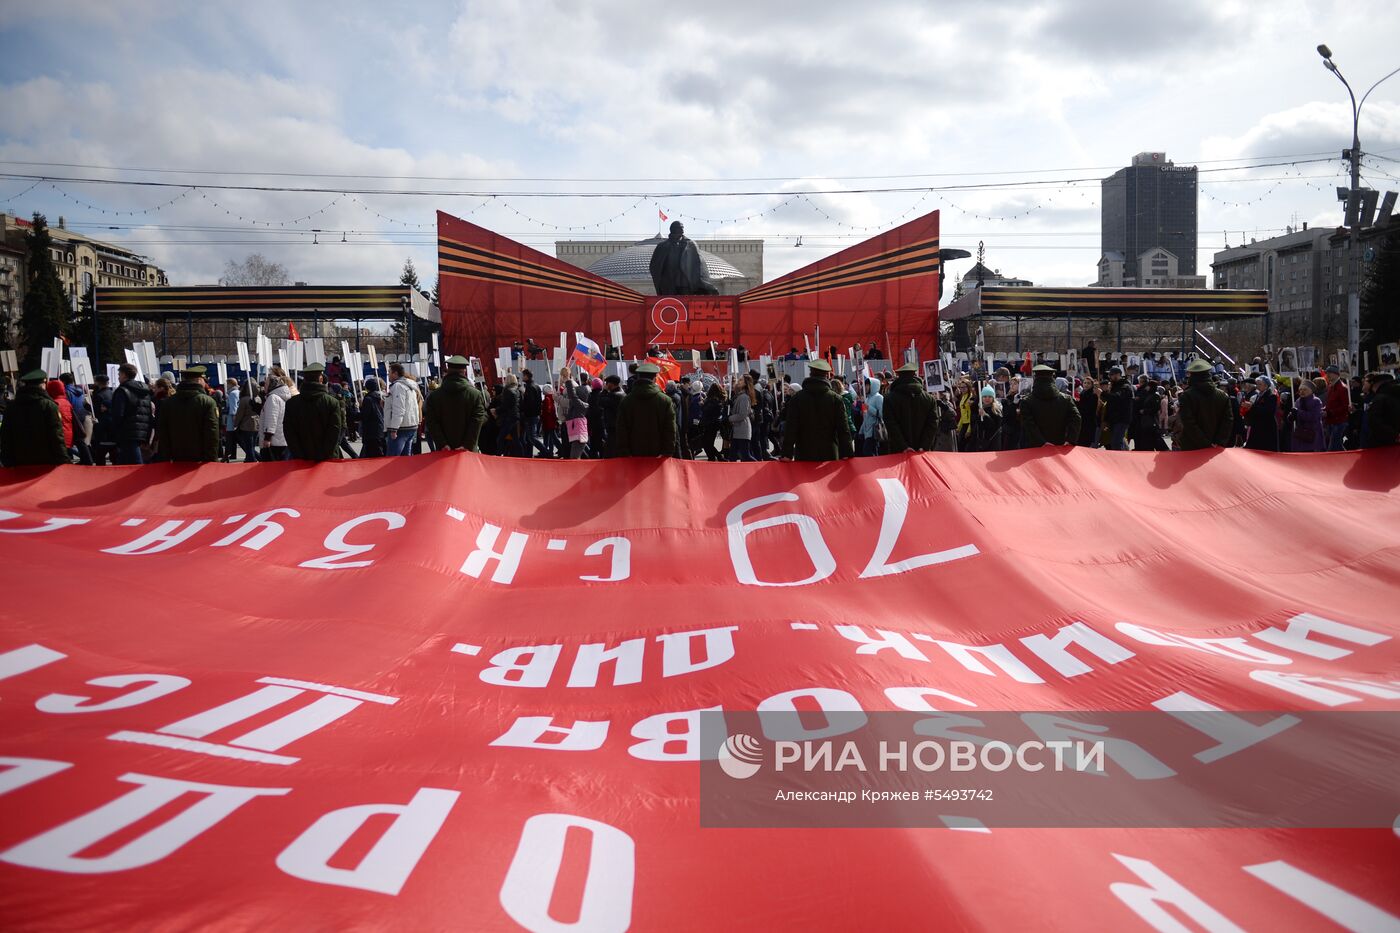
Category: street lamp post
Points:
column 1353, row 202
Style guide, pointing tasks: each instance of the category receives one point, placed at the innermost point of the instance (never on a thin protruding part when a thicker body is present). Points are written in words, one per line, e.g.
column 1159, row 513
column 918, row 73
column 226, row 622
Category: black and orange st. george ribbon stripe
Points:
column 1111, row 302
column 141, row 300
column 913, row 259
column 473, row 262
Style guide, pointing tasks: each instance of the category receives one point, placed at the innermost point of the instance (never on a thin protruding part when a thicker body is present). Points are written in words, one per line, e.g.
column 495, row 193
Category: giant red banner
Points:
column 494, row 291
column 461, row 692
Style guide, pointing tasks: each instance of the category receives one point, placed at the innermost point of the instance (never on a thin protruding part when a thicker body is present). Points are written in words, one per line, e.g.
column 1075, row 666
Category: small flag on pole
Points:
column 588, row 356
column 660, row 213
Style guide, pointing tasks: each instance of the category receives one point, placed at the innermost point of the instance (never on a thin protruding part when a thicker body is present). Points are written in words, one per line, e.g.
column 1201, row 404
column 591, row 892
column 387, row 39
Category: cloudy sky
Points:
column 650, row 103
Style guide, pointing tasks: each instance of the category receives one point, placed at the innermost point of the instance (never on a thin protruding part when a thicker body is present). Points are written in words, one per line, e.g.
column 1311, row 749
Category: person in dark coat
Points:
column 1383, row 413
column 1118, row 409
column 32, row 432
column 372, row 420
column 646, row 419
column 315, row 420
column 1207, row 413
column 609, row 404
column 104, row 434
column 817, row 428
column 1262, row 418
column 133, row 416
column 1047, row 415
column 456, row 411
column 987, row 423
column 1090, row 419
column 187, row 427
column 910, row 413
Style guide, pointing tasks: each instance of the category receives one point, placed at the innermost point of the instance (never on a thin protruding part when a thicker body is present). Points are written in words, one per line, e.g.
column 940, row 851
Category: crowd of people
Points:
column 749, row 416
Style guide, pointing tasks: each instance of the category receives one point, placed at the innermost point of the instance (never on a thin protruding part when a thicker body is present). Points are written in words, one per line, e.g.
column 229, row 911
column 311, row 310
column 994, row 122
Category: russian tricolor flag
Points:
column 588, row 356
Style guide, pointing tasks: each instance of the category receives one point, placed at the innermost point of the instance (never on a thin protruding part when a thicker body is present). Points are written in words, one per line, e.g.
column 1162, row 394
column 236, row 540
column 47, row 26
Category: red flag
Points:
column 1026, row 365
column 292, row 331
column 670, row 369
column 660, row 213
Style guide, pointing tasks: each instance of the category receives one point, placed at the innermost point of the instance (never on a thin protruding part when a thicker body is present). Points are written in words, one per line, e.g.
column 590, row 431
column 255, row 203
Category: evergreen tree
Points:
column 1380, row 297
column 111, row 333
column 437, row 292
column 45, row 311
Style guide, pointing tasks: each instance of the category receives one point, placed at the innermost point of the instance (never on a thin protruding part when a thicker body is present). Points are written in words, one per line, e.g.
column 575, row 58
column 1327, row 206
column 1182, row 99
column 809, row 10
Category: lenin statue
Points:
column 676, row 266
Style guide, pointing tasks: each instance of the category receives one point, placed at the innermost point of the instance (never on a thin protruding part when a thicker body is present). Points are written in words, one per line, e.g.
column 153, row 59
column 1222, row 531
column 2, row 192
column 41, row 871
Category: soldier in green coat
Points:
column 32, row 432
column 815, row 427
column 910, row 413
column 315, row 419
column 456, row 410
column 1207, row 418
column 646, row 419
column 1048, row 416
column 187, row 427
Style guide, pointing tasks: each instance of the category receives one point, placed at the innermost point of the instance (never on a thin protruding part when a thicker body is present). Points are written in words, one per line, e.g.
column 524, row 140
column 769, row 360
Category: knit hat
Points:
column 989, row 392
column 596, row 383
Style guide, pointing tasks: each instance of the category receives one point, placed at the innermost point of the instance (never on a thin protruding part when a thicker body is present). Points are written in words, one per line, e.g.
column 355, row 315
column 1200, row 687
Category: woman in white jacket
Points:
column 741, row 409
column 401, row 412
column 274, row 410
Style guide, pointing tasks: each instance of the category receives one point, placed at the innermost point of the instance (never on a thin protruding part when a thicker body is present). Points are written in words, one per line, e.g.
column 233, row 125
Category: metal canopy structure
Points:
column 1091, row 303
column 269, row 302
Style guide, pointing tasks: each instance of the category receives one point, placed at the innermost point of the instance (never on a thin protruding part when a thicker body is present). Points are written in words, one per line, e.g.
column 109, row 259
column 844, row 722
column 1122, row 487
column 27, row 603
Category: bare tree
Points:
column 255, row 270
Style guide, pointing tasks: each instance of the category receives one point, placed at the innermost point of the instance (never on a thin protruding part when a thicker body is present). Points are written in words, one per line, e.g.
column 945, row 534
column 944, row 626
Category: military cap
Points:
column 460, row 361
column 1198, row 366
column 907, row 368
column 35, row 375
column 193, row 371
column 819, row 366
column 314, row 368
column 648, row 369
column 1042, row 368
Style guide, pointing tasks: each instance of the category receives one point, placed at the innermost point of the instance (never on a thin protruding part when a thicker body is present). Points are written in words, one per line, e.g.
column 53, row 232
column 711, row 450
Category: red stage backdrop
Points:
column 460, row 692
column 494, row 291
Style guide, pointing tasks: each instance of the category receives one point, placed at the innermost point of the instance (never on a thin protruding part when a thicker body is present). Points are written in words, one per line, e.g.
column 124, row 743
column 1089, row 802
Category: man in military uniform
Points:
column 187, row 426
column 456, row 410
column 910, row 413
column 315, row 419
column 1048, row 416
column 1206, row 416
column 32, row 432
column 646, row 419
column 816, row 428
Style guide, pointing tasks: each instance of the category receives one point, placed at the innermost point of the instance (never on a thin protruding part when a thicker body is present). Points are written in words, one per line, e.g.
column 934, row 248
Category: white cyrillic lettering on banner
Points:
column 1150, row 901
column 507, row 560
column 50, row 524
column 916, row 699
column 157, row 686
column 1131, row 757
column 163, row 537
column 1054, row 650
column 261, row 527
column 626, row 659
column 1232, row 732
column 187, row 734
column 29, row 658
column 528, row 732
column 621, row 567
column 335, row 541
column 392, row 858
column 1296, row 637
column 606, row 903
column 891, row 524
column 534, row 670
column 57, row 849
column 782, row 719
column 677, row 655
column 21, row 771
column 999, row 655
column 1343, row 908
column 1236, row 649
column 659, row 743
column 823, row 564
column 1315, row 688
column 891, row 640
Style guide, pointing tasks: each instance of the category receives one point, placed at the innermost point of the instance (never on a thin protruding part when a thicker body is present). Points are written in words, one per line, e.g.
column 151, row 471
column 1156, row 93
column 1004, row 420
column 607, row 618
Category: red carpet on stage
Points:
column 461, row 692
